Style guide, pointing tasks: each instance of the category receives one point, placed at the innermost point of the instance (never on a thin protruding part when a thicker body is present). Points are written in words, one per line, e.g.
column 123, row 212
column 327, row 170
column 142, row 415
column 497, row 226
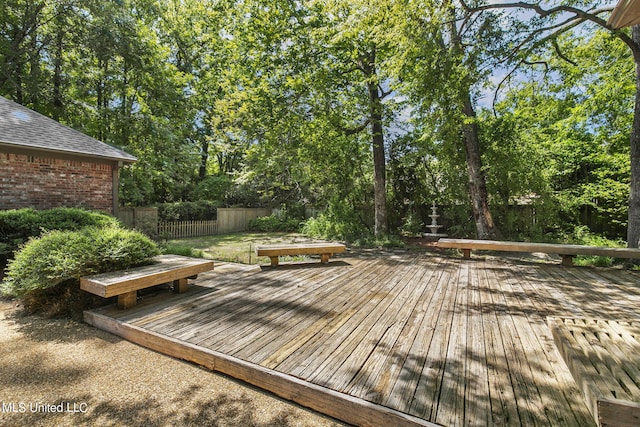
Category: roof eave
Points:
column 29, row 149
column 625, row 14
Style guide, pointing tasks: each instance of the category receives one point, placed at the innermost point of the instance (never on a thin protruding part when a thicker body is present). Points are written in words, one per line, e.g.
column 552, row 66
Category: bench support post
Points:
column 567, row 260
column 466, row 253
column 180, row 286
column 274, row 261
column 127, row 300
column 324, row 258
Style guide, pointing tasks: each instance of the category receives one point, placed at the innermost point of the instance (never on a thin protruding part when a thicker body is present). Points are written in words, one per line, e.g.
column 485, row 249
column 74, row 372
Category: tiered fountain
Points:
column 434, row 226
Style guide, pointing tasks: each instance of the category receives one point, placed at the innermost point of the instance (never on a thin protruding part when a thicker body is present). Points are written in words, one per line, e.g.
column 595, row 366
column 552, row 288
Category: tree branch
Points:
column 562, row 56
column 579, row 14
column 383, row 93
column 354, row 130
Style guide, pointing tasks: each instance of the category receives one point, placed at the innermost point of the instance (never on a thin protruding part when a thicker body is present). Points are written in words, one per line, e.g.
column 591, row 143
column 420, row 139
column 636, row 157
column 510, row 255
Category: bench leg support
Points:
column 180, row 286
column 274, row 261
column 567, row 260
column 127, row 300
column 324, row 258
column 466, row 253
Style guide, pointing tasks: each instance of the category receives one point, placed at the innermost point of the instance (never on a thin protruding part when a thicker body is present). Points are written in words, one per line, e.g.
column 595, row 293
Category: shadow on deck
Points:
column 396, row 339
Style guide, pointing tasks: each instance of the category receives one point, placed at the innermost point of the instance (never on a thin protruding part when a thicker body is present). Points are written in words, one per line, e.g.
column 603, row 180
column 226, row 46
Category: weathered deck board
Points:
column 357, row 345
column 543, row 351
column 411, row 363
column 425, row 399
column 445, row 340
column 501, row 393
column 289, row 349
column 229, row 303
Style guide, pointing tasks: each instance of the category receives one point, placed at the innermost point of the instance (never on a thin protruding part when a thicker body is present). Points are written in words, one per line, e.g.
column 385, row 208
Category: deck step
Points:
column 602, row 356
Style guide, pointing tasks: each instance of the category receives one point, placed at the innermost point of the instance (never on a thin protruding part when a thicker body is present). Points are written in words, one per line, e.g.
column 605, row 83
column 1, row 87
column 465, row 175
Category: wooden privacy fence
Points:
column 230, row 220
column 182, row 229
column 143, row 219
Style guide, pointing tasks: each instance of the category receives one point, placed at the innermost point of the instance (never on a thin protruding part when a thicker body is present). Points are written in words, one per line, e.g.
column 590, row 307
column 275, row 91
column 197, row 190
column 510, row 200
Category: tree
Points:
column 442, row 62
column 477, row 182
column 303, row 88
column 350, row 40
column 106, row 69
column 575, row 113
column 20, row 21
column 544, row 28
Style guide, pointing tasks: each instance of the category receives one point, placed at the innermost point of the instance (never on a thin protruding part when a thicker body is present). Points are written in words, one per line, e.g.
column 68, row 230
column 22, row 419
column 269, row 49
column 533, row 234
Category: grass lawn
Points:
column 240, row 247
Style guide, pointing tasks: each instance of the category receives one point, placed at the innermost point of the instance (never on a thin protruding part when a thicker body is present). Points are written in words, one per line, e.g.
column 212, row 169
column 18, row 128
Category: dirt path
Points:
column 97, row 379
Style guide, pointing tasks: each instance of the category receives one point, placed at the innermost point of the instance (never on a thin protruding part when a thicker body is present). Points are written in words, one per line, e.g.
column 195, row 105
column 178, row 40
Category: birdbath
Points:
column 434, row 226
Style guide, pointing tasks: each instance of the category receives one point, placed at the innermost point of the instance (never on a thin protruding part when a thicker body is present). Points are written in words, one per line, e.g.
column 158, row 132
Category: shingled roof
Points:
column 23, row 128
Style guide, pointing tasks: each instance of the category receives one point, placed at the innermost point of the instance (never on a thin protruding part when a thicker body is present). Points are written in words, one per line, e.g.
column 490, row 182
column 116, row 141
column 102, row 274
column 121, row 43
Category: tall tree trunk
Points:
column 58, row 104
column 633, row 229
column 485, row 227
column 368, row 65
column 379, row 163
column 483, row 219
column 204, row 158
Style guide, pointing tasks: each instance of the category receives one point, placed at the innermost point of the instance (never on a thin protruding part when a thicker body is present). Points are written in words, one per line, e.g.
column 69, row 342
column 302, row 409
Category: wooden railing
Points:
column 182, row 229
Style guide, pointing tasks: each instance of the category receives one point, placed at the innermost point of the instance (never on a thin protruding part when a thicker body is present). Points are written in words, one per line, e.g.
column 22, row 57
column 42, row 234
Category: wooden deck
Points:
column 400, row 339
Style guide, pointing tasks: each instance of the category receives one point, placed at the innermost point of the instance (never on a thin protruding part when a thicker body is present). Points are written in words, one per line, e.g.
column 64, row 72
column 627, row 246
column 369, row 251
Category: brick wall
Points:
column 41, row 183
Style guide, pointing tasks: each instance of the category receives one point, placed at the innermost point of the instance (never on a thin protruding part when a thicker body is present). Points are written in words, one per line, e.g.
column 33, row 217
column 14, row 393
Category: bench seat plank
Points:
column 168, row 268
column 325, row 250
column 567, row 251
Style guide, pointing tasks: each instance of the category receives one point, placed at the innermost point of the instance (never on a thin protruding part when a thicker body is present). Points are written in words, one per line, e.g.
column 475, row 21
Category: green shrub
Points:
column 213, row 188
column 273, row 223
column 336, row 224
column 18, row 225
column 412, row 225
column 59, row 257
column 202, row 210
column 581, row 235
column 286, row 220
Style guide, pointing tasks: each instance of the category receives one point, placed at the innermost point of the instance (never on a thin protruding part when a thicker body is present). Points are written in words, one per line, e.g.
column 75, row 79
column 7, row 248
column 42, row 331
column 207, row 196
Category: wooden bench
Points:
column 325, row 250
column 567, row 252
column 125, row 284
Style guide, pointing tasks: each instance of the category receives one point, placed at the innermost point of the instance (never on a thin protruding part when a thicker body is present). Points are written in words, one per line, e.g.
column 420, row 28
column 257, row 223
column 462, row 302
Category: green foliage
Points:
column 338, row 222
column 58, row 257
column 214, row 188
column 202, row 210
column 560, row 141
column 18, row 225
column 275, row 223
column 581, row 235
column 282, row 221
column 267, row 102
column 412, row 225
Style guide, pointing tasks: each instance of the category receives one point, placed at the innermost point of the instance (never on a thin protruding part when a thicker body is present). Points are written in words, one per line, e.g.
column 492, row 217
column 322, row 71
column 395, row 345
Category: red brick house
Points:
column 44, row 164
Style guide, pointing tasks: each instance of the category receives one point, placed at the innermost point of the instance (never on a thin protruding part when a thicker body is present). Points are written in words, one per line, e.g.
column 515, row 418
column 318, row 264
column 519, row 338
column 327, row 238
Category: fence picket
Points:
column 183, row 229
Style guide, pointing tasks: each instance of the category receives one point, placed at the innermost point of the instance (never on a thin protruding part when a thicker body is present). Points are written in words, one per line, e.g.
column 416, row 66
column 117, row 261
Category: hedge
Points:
column 59, row 257
column 18, row 225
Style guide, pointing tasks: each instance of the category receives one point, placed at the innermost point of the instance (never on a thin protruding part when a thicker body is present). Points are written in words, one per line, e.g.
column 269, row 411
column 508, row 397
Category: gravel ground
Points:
column 97, row 379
